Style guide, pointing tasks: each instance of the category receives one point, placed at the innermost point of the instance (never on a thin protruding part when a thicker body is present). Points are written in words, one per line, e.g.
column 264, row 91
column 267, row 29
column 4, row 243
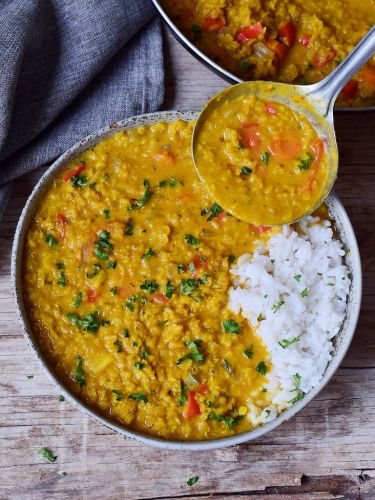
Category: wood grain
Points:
column 327, row 451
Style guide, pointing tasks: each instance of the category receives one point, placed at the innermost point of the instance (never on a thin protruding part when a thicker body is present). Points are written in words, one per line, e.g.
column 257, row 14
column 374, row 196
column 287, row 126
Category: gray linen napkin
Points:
column 68, row 68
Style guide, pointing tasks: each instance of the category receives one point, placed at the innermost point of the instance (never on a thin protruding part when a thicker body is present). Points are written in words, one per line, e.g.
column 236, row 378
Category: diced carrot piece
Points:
column 62, row 221
column 260, row 229
column 287, row 32
column 250, row 135
column 92, row 295
column 279, row 48
column 160, row 298
column 192, row 407
column 74, row 171
column 285, row 148
column 350, row 89
column 164, row 155
column 271, row 108
column 317, row 147
column 321, row 60
column 368, row 74
column 249, row 33
column 213, row 24
column 202, row 389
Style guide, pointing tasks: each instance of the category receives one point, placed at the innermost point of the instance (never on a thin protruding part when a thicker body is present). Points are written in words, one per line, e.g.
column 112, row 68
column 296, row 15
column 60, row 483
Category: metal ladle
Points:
column 315, row 102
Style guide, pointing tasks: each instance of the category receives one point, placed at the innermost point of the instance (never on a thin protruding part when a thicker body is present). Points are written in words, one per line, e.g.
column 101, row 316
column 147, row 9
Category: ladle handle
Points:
column 328, row 89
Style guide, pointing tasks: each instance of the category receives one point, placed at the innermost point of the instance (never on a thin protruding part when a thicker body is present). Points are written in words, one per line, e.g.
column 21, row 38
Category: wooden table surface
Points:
column 327, row 451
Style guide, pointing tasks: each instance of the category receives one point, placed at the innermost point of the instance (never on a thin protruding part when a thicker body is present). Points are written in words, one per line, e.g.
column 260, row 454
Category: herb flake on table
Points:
column 61, row 398
column 193, row 480
column 47, row 454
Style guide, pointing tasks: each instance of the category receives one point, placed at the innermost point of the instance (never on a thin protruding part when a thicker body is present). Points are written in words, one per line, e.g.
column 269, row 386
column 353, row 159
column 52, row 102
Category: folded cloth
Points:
column 69, row 68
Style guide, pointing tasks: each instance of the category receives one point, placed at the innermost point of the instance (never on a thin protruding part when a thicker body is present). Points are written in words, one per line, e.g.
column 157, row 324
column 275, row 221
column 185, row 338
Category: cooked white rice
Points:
column 294, row 290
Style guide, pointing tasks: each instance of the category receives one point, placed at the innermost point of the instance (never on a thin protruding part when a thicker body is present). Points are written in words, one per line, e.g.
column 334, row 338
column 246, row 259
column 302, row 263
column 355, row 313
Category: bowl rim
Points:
column 215, row 67
column 16, row 278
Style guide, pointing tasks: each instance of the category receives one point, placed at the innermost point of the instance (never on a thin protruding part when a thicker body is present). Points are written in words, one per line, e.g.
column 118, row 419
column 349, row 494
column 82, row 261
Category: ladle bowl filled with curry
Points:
column 165, row 317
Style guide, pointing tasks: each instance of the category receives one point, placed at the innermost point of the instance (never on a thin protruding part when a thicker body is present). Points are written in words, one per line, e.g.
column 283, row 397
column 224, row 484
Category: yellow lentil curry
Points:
column 261, row 160
column 291, row 41
column 126, row 274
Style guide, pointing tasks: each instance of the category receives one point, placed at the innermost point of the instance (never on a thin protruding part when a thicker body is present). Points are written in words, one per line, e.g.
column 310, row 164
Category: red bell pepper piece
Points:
column 287, row 32
column 213, row 24
column 192, row 408
column 74, row 171
column 249, row 33
column 350, row 89
column 279, row 48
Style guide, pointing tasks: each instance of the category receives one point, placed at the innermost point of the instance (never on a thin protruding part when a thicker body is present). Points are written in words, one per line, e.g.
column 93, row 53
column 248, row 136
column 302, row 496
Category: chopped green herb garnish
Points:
column 107, row 213
column 133, row 299
column 96, row 269
column 249, row 353
column 299, row 392
column 297, row 277
column 79, row 180
column 149, row 286
column 284, row 343
column 60, row 266
column 62, row 279
column 261, row 368
column 150, row 252
column 231, row 326
column 47, row 454
column 89, row 323
column 119, row 345
column 191, row 240
column 277, row 306
column 50, row 240
column 171, row 182
column 228, row 367
column 191, row 267
column 106, row 176
column 145, row 354
column 189, row 286
column 305, row 292
column 194, row 354
column 114, row 290
column 231, row 259
column 245, row 65
column 304, row 164
column 180, row 268
column 29, row 376
column 119, row 394
column 138, row 396
column 261, row 317
column 199, row 298
column 229, row 420
column 112, row 264
column 79, row 375
column 183, row 394
column 129, row 228
column 137, row 205
column 169, row 290
column 330, row 284
column 310, row 66
column 103, row 246
column 246, row 170
column 126, row 333
column 139, row 366
column 61, row 398
column 214, row 211
column 265, row 157
column 193, row 480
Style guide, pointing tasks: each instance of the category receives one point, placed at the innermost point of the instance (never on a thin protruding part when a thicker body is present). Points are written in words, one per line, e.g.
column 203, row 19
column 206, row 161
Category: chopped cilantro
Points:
column 249, row 353
column 112, row 264
column 126, row 333
column 304, row 164
column 330, row 284
column 60, row 266
column 299, row 392
column 103, row 246
column 61, row 398
column 261, row 317
column 284, row 343
column 169, row 290
column 29, row 376
column 119, row 345
column 231, row 259
column 183, row 394
column 107, row 213
column 194, row 354
column 134, row 299
column 228, row 367
column 89, row 323
column 145, row 354
column 79, row 375
column 47, row 454
column 94, row 272
column 139, row 365
column 150, row 252
column 138, row 396
column 193, row 480
column 214, row 211
column 62, row 279
column 171, row 182
column 297, row 277
column 265, row 157
column 50, row 240
column 246, row 170
column 149, row 286
column 305, row 292
column 106, row 176
column 79, row 180
column 114, row 290
column 231, row 326
column 119, row 394
column 129, row 228
column 189, row 286
column 261, row 368
column 229, row 420
column 191, row 240
column 137, row 205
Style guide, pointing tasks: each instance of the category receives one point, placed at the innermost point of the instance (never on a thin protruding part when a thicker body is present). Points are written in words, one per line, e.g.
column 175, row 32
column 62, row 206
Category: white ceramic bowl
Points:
column 342, row 341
